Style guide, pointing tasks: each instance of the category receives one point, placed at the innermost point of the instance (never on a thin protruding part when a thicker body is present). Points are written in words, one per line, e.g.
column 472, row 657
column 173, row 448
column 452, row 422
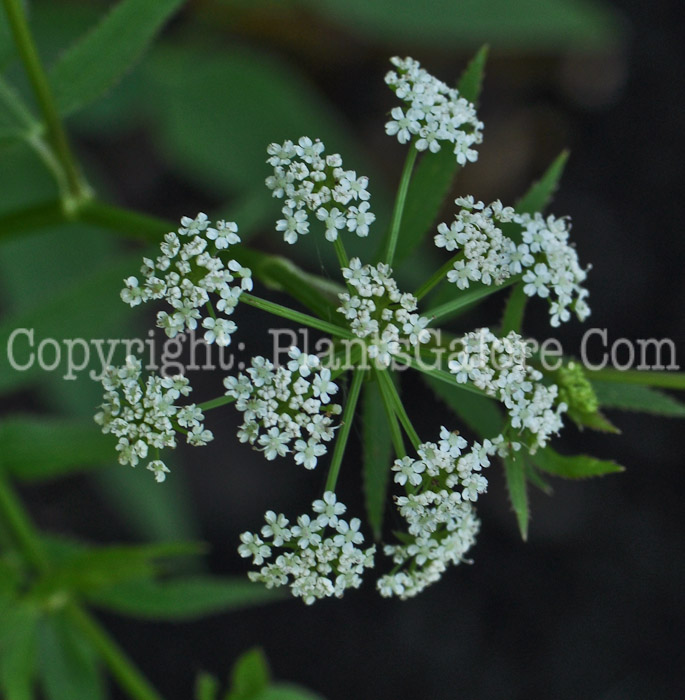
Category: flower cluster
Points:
column 498, row 366
column 381, row 312
column 322, row 556
column 188, row 270
column 287, row 408
column 143, row 415
column 489, row 256
column 433, row 114
column 441, row 487
column 312, row 182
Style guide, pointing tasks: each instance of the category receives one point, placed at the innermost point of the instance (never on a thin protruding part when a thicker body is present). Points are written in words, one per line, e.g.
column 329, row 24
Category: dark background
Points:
column 592, row 605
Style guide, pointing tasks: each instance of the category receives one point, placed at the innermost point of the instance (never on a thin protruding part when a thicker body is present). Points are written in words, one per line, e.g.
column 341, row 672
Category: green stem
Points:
column 388, row 386
column 393, row 423
column 215, row 403
column 77, row 189
column 514, row 310
column 447, row 378
column 437, row 277
column 468, row 297
column 344, row 432
column 399, row 205
column 296, row 316
column 131, row 223
column 121, row 667
column 340, row 252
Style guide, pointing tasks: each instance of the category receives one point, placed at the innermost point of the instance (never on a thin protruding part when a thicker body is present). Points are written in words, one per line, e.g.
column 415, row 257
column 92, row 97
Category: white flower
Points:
column 218, row 330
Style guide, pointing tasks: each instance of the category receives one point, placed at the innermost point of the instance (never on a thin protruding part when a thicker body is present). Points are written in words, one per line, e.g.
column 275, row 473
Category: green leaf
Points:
column 553, row 25
column 377, row 455
column 512, row 319
column 471, row 82
column 206, row 687
column 105, row 53
column 89, row 570
column 250, row 676
column 186, row 598
column 515, row 473
column 595, row 421
column 18, row 637
column 481, row 414
column 633, row 397
column 434, row 174
column 216, row 112
column 573, row 467
column 69, row 668
column 287, row 691
column 35, row 448
column 541, row 192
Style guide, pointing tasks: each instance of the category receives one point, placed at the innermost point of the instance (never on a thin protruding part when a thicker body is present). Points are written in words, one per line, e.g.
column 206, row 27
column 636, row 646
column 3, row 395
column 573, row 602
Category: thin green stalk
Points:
column 215, row 403
column 399, row 205
column 296, row 316
column 393, row 396
column 393, row 423
column 437, row 277
column 341, row 252
column 21, row 528
column 77, row 189
column 446, row 377
column 344, row 432
column 467, row 298
column 121, row 667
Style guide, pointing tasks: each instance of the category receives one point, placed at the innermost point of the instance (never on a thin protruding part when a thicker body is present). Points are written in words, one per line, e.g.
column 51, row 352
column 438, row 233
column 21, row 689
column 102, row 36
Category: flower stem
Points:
column 297, row 316
column 390, row 390
column 341, row 253
column 215, row 403
column 399, row 205
column 393, row 423
column 345, row 427
column 437, row 277
column 468, row 297
column 77, row 188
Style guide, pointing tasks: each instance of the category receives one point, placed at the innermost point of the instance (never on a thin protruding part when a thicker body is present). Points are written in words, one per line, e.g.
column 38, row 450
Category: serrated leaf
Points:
column 250, row 676
column 664, row 380
column 186, row 598
column 35, row 448
column 541, row 192
column 633, row 397
column 206, row 687
column 18, row 636
column 471, row 82
column 573, row 467
column 104, row 54
column 480, row 413
column 69, row 668
column 434, row 174
column 377, row 455
column 595, row 421
column 515, row 473
column 553, row 25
